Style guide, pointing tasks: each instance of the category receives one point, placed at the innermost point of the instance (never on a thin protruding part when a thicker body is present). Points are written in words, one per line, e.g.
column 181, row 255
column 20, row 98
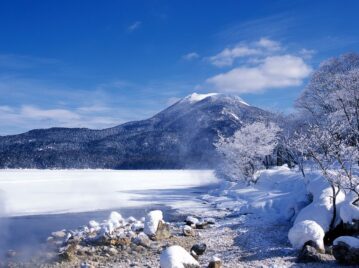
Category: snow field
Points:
column 34, row 192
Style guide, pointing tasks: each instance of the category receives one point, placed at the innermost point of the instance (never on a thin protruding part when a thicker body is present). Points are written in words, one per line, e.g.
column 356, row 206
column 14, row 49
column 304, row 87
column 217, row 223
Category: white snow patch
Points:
column 194, row 97
column 349, row 240
column 152, row 220
column 305, row 231
column 176, row 257
column 348, row 211
column 279, row 193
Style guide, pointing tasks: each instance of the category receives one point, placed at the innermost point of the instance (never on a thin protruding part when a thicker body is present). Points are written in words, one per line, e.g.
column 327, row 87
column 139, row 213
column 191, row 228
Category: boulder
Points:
column 215, row 263
column 191, row 221
column 152, row 220
column 163, row 231
column 68, row 253
column 59, row 234
column 346, row 250
column 177, row 257
column 198, row 250
column 188, row 231
column 210, row 220
column 142, row 240
column 311, row 254
column 201, row 224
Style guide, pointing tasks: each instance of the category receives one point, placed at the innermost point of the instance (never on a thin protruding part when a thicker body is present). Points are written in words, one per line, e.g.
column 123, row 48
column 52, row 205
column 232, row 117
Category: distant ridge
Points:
column 181, row 136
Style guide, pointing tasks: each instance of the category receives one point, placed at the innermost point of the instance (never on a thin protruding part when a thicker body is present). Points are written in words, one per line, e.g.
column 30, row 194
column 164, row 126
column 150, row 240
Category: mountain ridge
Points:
column 180, row 136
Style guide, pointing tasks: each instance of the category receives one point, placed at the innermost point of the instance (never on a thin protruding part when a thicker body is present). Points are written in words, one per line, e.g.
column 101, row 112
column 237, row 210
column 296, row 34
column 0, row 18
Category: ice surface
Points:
column 35, row 192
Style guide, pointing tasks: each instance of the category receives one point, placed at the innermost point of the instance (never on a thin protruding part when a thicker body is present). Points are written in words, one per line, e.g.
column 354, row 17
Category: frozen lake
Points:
column 33, row 203
column 35, row 192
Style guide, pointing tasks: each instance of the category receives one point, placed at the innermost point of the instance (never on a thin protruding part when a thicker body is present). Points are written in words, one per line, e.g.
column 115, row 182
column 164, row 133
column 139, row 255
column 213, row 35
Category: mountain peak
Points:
column 195, row 97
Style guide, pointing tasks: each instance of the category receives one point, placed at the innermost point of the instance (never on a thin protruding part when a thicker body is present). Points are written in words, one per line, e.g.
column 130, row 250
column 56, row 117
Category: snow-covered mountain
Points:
column 180, row 136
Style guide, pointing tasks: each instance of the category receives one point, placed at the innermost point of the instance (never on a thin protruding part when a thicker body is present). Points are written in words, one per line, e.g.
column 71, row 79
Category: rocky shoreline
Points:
column 221, row 236
column 119, row 242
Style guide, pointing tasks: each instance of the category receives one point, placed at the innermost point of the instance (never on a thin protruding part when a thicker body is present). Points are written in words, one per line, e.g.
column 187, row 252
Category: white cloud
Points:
column 268, row 44
column 172, row 100
column 227, row 56
column 29, row 117
column 307, row 53
column 134, row 26
column 262, row 47
column 60, row 115
column 191, row 56
column 273, row 72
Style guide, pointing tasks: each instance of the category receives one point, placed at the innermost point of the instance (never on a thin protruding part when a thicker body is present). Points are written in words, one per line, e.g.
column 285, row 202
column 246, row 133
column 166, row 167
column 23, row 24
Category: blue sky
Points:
column 101, row 63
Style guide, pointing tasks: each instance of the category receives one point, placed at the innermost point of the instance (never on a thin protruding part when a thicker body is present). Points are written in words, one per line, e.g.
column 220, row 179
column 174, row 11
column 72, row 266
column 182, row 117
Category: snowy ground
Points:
column 252, row 222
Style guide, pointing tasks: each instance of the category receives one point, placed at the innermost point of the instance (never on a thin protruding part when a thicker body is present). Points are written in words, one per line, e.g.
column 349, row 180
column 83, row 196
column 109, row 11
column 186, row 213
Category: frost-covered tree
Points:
column 244, row 152
column 330, row 106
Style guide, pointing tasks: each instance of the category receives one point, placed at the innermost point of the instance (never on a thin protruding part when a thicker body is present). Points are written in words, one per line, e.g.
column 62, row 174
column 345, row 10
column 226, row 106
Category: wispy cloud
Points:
column 19, row 62
column 274, row 72
column 227, row 56
column 134, row 26
column 191, row 56
column 29, row 117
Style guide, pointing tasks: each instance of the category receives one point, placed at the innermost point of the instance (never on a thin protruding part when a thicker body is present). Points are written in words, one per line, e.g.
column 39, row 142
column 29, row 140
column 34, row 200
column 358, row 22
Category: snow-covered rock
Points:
column 142, row 239
column 94, row 224
column 190, row 220
column 215, row 262
column 348, row 211
column 131, row 219
column 188, row 231
column 346, row 250
column 137, row 226
column 349, row 240
column 116, row 219
column 321, row 209
column 314, row 220
column 152, row 220
column 306, row 231
column 176, row 257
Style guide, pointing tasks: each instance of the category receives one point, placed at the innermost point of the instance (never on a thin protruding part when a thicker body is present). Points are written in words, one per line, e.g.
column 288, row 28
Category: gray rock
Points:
column 345, row 254
column 215, row 263
column 68, row 253
column 59, row 234
column 142, row 240
column 163, row 231
column 201, row 225
column 311, row 254
column 188, row 231
column 210, row 220
column 198, row 249
column 191, row 221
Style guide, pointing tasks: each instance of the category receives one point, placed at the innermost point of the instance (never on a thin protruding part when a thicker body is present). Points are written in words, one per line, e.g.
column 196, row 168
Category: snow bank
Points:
column 280, row 193
column 305, row 231
column 152, row 220
column 320, row 212
column 176, row 257
column 321, row 209
column 349, row 240
column 348, row 211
